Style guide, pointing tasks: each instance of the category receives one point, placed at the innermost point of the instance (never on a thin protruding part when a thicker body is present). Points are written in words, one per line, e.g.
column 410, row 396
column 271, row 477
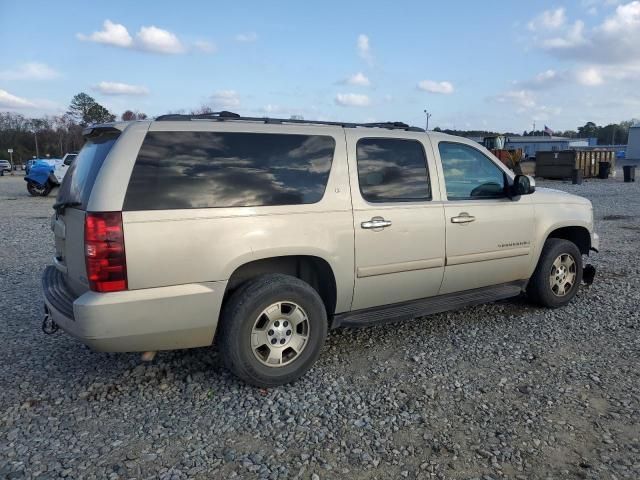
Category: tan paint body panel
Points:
column 554, row 209
column 209, row 244
column 499, row 225
column 165, row 318
column 179, row 261
column 481, row 253
column 404, row 261
column 212, row 247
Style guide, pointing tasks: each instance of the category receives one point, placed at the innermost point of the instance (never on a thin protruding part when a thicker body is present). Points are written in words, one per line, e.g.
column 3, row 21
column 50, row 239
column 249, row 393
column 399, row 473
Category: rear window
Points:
column 81, row 175
column 177, row 170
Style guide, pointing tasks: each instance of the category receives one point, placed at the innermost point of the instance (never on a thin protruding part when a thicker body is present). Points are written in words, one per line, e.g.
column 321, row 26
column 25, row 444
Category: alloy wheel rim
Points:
column 280, row 334
column 562, row 277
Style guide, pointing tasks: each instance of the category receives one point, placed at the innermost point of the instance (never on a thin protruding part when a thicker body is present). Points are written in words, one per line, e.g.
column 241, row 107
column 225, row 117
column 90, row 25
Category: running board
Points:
column 427, row 306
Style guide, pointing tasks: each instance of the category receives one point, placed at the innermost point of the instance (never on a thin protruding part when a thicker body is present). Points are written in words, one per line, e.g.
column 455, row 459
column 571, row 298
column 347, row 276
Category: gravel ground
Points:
column 505, row 390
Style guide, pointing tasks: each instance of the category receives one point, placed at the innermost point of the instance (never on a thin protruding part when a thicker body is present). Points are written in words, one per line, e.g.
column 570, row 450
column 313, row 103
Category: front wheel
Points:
column 558, row 275
column 272, row 330
column 37, row 190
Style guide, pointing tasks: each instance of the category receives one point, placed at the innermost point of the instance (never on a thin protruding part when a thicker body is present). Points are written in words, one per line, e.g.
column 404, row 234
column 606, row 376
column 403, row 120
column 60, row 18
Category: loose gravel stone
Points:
column 504, row 390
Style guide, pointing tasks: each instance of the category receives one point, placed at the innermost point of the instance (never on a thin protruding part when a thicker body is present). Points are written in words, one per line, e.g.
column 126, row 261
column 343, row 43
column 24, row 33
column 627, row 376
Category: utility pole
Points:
column 534, row 128
column 428, row 115
column 10, row 150
column 35, row 135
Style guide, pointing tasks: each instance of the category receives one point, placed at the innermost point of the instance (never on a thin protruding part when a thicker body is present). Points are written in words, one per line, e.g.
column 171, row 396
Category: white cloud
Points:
column 30, row 71
column 205, row 46
column 114, row 34
column 148, row 38
column 547, row 79
column 572, row 39
column 590, row 77
column 521, row 98
column 246, row 37
column 525, row 103
column 548, row 20
column 614, row 42
column 352, row 100
column 225, row 99
column 359, row 79
column 364, row 49
column 117, row 88
column 444, row 88
column 157, row 40
column 7, row 100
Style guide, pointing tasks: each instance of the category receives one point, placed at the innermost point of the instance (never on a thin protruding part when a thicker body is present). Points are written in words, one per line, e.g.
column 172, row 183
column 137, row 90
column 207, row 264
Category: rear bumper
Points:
column 164, row 318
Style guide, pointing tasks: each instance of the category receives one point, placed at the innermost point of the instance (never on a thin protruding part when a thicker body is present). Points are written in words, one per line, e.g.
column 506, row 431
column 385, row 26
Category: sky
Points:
column 494, row 65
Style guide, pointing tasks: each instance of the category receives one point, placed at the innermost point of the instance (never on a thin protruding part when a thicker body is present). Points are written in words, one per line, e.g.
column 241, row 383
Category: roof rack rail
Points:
column 225, row 115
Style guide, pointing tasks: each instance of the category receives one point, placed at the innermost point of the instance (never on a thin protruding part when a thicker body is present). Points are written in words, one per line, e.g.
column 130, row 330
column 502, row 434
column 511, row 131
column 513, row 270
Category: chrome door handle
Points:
column 464, row 217
column 376, row 222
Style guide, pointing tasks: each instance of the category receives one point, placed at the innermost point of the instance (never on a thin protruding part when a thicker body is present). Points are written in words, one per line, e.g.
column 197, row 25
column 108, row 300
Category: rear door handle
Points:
column 375, row 222
column 464, row 217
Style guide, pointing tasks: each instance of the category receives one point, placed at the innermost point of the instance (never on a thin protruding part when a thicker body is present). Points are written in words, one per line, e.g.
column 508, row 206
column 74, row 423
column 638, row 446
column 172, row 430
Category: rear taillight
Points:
column 104, row 252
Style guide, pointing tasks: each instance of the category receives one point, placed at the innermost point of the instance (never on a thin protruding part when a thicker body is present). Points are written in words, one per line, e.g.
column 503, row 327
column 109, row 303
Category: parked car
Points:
column 61, row 168
column 47, row 174
column 29, row 164
column 5, row 166
column 40, row 179
column 260, row 235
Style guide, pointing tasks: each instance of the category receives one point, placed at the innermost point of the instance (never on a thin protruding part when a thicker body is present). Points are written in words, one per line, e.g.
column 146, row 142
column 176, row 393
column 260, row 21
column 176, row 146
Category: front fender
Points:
column 546, row 226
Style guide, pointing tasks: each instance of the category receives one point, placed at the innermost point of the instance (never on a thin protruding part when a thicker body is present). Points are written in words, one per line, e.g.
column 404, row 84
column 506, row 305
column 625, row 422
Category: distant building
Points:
column 633, row 144
column 531, row 145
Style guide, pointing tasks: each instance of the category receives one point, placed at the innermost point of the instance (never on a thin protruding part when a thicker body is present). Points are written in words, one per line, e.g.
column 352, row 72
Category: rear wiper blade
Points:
column 59, row 207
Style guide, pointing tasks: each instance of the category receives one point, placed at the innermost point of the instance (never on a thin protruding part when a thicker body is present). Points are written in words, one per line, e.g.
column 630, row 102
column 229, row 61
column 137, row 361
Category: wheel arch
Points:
column 312, row 269
column 576, row 234
column 574, row 231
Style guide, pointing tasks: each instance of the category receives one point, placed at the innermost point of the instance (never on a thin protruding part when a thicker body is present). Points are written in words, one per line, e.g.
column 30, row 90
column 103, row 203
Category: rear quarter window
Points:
column 81, row 175
column 177, row 170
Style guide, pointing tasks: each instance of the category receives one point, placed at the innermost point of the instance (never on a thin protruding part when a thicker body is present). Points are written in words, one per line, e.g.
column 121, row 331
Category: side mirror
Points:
column 523, row 185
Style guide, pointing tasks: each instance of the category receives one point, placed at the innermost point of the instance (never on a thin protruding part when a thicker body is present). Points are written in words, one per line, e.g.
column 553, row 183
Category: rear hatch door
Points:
column 67, row 222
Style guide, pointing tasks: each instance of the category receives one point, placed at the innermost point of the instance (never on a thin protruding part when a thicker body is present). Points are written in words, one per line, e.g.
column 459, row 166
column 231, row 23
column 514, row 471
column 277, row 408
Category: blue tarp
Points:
column 39, row 172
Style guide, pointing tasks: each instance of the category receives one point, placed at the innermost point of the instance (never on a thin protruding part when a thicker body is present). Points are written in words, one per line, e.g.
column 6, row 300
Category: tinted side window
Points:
column 81, row 175
column 469, row 174
column 210, row 169
column 392, row 170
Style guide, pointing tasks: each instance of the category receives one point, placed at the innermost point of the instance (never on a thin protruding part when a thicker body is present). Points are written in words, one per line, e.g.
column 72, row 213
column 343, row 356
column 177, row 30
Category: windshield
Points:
column 69, row 159
column 78, row 182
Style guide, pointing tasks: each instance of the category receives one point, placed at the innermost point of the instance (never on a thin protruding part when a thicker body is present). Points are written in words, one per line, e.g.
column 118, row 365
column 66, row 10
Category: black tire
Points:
column 244, row 308
column 37, row 191
column 539, row 289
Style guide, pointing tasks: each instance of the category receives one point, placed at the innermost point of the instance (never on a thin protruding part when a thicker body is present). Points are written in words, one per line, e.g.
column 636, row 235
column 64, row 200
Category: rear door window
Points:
column 176, row 170
column 81, row 175
column 392, row 170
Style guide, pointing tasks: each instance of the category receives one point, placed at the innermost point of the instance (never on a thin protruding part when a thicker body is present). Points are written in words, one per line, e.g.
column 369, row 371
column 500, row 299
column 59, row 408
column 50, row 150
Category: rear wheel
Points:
column 39, row 190
column 272, row 330
column 558, row 275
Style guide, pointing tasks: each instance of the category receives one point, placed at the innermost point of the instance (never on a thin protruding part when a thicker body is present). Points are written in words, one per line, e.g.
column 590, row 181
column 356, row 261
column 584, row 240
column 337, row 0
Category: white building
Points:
column 633, row 144
column 531, row 145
